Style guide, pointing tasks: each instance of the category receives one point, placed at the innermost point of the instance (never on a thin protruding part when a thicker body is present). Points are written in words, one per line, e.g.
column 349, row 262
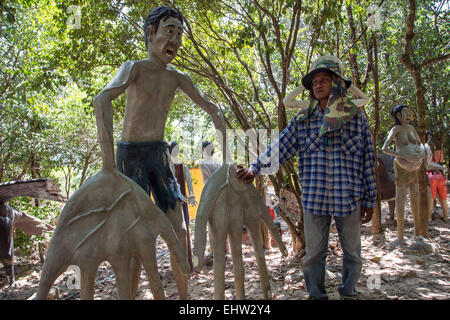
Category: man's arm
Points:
column 280, row 151
column 369, row 180
column 359, row 98
column 290, row 101
column 104, row 112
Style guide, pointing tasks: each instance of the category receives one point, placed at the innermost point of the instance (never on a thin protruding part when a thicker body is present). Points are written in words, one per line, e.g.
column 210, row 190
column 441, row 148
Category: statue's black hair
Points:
column 205, row 144
column 171, row 145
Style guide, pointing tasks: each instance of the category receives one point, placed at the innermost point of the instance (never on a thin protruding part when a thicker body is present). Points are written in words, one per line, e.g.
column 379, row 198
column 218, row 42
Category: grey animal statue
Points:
column 228, row 205
column 110, row 218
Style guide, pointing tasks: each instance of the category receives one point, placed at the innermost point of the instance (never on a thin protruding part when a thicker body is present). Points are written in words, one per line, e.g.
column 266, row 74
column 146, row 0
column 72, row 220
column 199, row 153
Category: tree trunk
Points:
column 376, row 219
column 415, row 71
column 35, row 173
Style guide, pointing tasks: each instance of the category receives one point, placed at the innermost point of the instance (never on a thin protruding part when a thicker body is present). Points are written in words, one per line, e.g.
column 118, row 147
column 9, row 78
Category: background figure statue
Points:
column 208, row 166
column 437, row 180
column 409, row 154
column 183, row 176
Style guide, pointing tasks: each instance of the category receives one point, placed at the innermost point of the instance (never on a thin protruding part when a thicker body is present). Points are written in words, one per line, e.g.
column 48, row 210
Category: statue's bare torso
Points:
column 149, row 98
column 408, row 143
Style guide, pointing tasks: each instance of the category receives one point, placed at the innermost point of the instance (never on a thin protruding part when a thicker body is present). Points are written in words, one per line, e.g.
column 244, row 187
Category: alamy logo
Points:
column 374, row 19
column 374, row 281
column 74, row 21
column 73, row 282
column 242, row 146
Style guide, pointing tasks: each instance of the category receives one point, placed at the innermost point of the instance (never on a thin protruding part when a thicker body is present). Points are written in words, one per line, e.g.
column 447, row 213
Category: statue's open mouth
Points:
column 169, row 52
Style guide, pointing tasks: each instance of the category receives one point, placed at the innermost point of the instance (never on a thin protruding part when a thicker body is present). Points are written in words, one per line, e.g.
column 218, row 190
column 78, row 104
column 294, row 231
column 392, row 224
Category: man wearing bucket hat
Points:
column 336, row 170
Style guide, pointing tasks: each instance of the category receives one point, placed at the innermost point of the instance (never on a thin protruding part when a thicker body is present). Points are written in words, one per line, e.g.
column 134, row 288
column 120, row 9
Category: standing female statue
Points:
column 409, row 154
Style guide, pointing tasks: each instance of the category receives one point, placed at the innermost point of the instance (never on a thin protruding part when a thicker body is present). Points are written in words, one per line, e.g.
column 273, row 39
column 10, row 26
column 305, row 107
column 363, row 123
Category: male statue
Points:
column 151, row 86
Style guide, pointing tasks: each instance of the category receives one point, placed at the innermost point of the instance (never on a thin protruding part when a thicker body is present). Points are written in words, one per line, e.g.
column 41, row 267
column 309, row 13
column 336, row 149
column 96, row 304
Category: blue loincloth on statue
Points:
column 147, row 164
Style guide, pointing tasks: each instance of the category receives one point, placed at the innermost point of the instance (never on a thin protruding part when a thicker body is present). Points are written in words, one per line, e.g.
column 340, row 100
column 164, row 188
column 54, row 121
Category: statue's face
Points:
column 175, row 152
column 164, row 44
column 403, row 116
column 208, row 151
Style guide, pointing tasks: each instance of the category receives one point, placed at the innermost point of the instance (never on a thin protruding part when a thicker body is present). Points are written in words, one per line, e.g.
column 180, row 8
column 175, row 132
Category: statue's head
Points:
column 207, row 149
column 400, row 113
column 428, row 136
column 163, row 32
column 174, row 150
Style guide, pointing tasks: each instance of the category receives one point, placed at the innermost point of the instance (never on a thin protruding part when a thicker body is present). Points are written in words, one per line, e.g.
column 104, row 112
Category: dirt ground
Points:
column 388, row 274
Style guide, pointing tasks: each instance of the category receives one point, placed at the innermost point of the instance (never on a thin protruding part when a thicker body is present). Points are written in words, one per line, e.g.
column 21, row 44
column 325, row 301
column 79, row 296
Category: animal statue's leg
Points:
column 238, row 266
column 444, row 207
column 176, row 218
column 55, row 263
column 430, row 204
column 253, row 201
column 88, row 273
column 135, row 275
column 391, row 205
column 264, row 235
column 219, row 224
column 147, row 254
column 414, row 195
column 122, row 271
column 220, row 237
column 260, row 259
column 400, row 200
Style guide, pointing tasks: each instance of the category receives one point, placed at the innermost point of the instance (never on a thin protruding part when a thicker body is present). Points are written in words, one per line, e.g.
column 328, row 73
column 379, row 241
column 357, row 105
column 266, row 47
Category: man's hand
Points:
column 244, row 174
column 366, row 214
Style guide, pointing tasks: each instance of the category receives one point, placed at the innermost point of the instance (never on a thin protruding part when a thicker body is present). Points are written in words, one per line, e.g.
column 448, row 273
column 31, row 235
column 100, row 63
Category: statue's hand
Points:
column 416, row 156
column 191, row 201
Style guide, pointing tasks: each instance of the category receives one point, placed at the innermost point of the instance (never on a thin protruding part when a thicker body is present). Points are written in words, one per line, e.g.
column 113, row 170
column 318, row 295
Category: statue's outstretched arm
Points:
column 188, row 179
column 104, row 112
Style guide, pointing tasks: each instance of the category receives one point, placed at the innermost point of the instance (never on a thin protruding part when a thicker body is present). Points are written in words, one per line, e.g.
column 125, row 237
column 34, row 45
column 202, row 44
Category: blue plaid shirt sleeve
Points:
column 369, row 183
column 281, row 150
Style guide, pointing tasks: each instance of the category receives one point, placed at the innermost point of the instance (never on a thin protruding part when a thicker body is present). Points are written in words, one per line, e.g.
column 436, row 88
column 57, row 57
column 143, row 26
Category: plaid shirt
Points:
column 336, row 170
